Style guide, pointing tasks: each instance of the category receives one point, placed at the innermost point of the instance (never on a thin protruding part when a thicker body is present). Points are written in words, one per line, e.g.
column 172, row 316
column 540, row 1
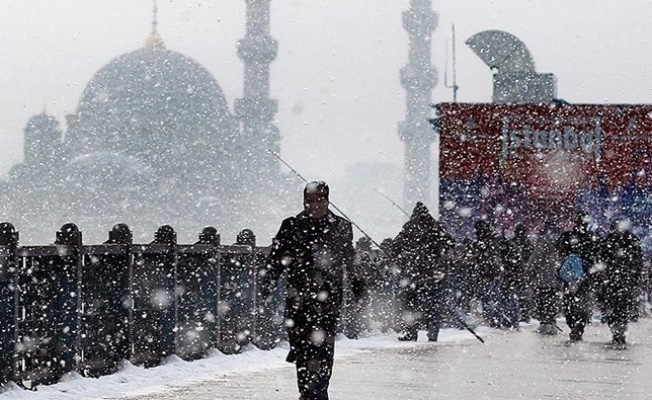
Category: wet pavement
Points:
column 510, row 365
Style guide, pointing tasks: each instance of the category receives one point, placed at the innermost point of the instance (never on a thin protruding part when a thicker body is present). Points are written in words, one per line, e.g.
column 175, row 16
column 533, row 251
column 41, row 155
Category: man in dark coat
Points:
column 576, row 297
column 510, row 283
column 315, row 249
column 623, row 256
column 487, row 254
column 419, row 249
column 544, row 268
column 524, row 286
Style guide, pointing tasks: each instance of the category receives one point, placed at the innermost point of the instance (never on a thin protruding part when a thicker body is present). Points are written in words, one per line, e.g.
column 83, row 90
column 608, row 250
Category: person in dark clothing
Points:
column 315, row 250
column 576, row 297
column 462, row 281
column 622, row 254
column 511, row 281
column 488, row 270
column 419, row 250
column 544, row 267
column 355, row 320
column 524, row 287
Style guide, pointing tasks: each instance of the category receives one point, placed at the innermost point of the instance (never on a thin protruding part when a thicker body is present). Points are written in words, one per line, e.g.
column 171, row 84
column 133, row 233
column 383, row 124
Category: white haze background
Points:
column 336, row 76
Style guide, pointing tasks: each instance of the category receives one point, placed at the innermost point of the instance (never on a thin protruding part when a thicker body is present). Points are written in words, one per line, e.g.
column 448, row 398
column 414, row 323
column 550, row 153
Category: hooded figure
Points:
column 419, row 250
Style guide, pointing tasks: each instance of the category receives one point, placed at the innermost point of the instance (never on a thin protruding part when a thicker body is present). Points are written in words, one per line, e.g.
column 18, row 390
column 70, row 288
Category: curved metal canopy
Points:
column 501, row 50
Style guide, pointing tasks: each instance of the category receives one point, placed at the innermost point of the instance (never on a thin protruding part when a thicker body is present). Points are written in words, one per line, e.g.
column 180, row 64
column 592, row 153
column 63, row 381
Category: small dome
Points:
column 106, row 183
column 107, row 170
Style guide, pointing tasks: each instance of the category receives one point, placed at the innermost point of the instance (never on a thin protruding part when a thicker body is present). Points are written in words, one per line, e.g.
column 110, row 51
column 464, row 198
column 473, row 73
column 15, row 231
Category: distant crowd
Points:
column 430, row 280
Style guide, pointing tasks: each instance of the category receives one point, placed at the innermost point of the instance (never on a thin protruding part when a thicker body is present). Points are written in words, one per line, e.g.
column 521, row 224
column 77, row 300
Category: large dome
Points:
column 150, row 98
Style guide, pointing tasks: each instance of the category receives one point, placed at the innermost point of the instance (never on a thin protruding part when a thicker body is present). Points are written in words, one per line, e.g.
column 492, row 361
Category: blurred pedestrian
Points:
column 622, row 255
column 419, row 249
column 524, row 287
column 544, row 266
column 510, row 282
column 488, row 270
column 355, row 309
column 578, row 243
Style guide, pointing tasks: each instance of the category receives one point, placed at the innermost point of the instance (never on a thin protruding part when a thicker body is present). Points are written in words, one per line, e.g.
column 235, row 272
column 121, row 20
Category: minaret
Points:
column 418, row 78
column 256, row 110
column 154, row 40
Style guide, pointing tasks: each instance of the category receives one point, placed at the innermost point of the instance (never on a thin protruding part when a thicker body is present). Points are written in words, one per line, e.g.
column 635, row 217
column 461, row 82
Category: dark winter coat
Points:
column 316, row 254
column 581, row 242
column 544, row 262
column 523, row 249
column 488, row 255
column 511, row 261
column 622, row 256
column 420, row 247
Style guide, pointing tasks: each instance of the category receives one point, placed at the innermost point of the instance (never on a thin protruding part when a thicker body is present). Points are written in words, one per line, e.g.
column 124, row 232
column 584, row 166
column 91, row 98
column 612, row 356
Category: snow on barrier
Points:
column 73, row 307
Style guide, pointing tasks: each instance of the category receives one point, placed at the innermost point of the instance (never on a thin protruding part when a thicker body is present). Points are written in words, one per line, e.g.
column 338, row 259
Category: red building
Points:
column 513, row 163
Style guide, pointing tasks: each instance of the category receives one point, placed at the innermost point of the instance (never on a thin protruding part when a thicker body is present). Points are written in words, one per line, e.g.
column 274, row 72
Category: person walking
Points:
column 315, row 250
column 511, row 281
column 544, row 266
column 487, row 256
column 419, row 249
column 622, row 255
column 524, row 292
column 578, row 242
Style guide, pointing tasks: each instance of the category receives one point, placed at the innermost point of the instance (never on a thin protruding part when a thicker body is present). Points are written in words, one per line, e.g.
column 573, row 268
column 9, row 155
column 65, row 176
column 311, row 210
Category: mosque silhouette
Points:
column 153, row 141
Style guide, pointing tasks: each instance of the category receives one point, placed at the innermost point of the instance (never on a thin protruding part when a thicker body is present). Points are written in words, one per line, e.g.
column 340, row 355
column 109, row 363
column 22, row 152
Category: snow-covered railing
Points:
column 74, row 307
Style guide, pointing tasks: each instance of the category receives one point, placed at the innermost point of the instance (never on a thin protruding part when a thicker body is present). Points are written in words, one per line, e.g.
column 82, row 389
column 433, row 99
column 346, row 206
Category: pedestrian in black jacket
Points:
column 419, row 250
column 487, row 254
column 524, row 285
column 623, row 257
column 576, row 296
column 544, row 267
column 315, row 249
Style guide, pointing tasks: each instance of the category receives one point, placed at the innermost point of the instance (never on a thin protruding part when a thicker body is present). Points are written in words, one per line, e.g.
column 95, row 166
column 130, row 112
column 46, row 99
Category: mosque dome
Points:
column 152, row 98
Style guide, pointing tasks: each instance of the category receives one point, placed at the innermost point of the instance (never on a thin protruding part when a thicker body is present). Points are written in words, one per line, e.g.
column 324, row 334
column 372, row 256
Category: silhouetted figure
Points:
column 510, row 282
column 576, row 296
column 622, row 255
column 419, row 249
column 544, row 267
column 523, row 284
column 315, row 249
column 488, row 270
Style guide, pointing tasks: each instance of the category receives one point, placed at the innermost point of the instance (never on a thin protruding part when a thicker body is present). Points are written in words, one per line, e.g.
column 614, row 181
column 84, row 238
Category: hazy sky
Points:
column 336, row 76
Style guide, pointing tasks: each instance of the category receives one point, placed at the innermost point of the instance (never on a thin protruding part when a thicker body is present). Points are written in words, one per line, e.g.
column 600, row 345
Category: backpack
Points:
column 572, row 270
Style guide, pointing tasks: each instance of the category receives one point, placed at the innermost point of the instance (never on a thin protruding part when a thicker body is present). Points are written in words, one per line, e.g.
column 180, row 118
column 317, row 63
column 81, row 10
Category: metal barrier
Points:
column 48, row 308
column 72, row 307
column 153, row 293
column 197, row 288
column 8, row 299
column 105, row 291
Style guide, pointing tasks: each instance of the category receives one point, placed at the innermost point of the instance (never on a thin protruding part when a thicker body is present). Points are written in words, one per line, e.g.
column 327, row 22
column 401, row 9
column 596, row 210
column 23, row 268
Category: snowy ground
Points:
column 135, row 381
column 510, row 365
